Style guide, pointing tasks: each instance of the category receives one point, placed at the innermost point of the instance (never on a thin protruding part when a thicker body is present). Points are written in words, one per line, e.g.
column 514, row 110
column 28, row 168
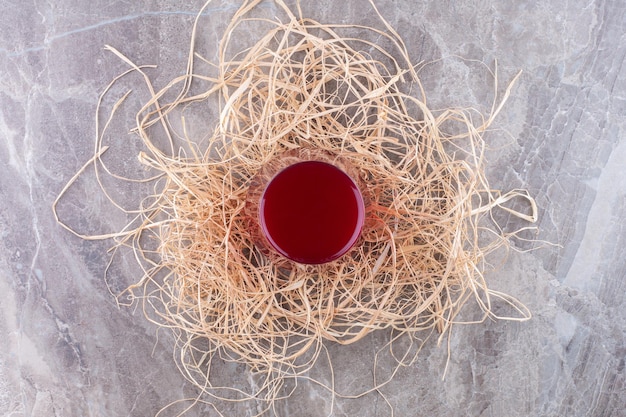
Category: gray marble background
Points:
column 67, row 349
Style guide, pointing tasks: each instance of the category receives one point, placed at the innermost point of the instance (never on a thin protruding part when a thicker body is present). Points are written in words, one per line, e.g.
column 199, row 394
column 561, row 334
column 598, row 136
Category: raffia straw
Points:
column 305, row 85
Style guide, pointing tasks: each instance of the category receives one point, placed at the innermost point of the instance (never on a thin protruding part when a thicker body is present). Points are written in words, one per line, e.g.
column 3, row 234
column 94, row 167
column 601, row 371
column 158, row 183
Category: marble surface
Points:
column 67, row 349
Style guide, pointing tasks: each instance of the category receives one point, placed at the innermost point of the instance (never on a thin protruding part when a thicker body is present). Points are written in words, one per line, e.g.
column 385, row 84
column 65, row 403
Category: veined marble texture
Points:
column 67, row 349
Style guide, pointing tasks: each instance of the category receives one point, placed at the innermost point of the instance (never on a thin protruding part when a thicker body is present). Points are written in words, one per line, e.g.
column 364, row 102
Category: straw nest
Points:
column 304, row 88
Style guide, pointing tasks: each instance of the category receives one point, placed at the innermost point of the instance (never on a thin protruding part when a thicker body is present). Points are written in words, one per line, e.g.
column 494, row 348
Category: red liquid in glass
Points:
column 312, row 212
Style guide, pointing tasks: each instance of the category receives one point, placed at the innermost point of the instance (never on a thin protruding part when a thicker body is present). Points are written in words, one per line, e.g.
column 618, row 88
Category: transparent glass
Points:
column 306, row 206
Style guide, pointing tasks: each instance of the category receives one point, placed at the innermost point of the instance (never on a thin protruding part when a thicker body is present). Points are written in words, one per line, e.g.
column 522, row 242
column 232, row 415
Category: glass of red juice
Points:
column 306, row 206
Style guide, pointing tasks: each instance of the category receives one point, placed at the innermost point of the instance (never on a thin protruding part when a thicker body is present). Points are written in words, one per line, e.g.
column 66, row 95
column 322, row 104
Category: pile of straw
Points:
column 304, row 86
